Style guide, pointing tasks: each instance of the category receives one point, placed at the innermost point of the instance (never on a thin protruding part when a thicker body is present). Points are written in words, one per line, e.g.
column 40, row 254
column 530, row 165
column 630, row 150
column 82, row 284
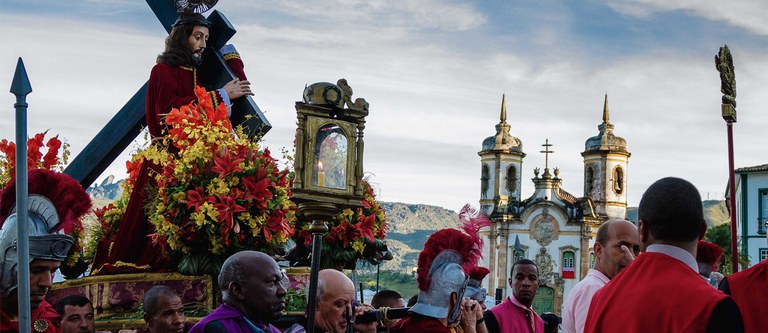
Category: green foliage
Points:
column 403, row 283
column 295, row 300
column 721, row 235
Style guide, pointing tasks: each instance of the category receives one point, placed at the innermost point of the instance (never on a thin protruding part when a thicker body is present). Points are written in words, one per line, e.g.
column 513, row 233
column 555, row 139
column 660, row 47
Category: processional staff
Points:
column 724, row 65
column 21, row 88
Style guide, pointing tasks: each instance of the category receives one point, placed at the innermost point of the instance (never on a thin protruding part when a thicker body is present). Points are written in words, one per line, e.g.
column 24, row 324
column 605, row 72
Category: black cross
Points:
column 119, row 132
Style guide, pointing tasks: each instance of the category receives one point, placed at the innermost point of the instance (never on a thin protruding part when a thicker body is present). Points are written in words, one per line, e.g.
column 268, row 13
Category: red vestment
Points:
column 749, row 289
column 420, row 324
column 45, row 316
column 655, row 293
column 131, row 250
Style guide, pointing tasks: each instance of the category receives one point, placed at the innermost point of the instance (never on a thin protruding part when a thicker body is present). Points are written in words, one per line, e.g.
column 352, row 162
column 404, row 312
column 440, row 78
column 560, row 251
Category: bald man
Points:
column 335, row 296
column 253, row 290
column 616, row 245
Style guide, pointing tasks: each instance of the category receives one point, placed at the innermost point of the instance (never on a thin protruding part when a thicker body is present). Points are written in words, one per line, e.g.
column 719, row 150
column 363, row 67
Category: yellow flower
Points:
column 358, row 246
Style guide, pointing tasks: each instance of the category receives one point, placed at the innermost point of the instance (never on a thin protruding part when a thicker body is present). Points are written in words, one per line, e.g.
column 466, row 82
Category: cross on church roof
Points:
column 546, row 152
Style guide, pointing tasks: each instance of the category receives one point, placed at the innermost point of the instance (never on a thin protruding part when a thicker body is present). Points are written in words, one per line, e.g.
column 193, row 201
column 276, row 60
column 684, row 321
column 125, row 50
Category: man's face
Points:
column 524, row 283
column 264, row 292
column 77, row 319
column 169, row 316
column 610, row 258
column 197, row 41
column 331, row 308
column 41, row 273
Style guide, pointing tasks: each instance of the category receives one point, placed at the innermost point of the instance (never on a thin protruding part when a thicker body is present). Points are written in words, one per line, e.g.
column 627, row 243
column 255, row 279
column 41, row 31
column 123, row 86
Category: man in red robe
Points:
column 171, row 85
column 749, row 289
column 515, row 314
column 661, row 290
column 56, row 204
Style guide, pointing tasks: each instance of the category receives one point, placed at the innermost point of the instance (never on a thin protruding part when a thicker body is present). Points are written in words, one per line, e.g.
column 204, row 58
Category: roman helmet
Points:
column 448, row 254
column 55, row 205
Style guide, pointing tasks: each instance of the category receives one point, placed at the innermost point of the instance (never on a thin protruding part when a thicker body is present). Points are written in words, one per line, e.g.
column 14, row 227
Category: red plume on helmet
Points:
column 467, row 244
column 478, row 273
column 709, row 253
column 65, row 193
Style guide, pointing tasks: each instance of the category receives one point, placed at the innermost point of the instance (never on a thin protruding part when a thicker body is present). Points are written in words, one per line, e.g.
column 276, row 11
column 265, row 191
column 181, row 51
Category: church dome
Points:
column 606, row 140
column 502, row 140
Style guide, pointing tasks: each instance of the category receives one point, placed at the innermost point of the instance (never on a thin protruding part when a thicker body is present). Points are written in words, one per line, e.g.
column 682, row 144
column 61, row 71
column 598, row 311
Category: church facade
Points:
column 552, row 227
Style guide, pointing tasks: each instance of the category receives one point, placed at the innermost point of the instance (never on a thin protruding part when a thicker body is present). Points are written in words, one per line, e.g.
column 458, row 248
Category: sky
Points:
column 434, row 73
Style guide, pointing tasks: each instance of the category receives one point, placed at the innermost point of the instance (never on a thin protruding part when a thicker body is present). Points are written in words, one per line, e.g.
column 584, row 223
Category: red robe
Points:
column 131, row 250
column 421, row 324
column 749, row 289
column 655, row 293
column 45, row 316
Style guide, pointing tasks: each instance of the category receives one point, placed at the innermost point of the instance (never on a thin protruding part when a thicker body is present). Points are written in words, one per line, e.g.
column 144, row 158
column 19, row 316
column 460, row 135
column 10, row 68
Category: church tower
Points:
column 605, row 170
column 501, row 161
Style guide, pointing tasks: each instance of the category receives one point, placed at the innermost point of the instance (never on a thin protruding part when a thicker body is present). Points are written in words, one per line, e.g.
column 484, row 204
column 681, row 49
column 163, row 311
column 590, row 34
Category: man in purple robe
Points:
column 253, row 292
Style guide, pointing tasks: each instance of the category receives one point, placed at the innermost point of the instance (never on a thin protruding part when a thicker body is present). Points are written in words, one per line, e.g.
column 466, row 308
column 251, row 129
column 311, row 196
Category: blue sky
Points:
column 434, row 72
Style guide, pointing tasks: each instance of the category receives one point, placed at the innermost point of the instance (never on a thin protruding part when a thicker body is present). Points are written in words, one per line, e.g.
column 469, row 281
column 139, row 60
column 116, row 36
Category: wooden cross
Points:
column 126, row 125
column 546, row 153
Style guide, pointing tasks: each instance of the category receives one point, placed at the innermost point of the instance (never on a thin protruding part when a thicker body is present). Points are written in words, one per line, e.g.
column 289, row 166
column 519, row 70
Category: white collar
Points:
column 675, row 252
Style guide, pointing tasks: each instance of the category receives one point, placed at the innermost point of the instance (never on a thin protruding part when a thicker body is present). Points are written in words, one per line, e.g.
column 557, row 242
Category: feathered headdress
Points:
column 467, row 244
column 709, row 253
column 476, row 275
column 65, row 193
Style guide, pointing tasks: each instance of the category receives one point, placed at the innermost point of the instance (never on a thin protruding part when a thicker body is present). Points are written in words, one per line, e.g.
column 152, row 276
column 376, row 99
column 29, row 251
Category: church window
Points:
column 618, row 180
column 763, row 253
column 589, row 180
column 568, row 269
column 518, row 254
column 484, row 178
column 762, row 209
column 511, row 178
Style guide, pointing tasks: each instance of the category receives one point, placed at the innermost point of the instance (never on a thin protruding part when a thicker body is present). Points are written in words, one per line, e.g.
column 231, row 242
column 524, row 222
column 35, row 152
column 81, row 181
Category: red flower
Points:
column 258, row 191
column 225, row 165
column 195, row 198
column 227, row 208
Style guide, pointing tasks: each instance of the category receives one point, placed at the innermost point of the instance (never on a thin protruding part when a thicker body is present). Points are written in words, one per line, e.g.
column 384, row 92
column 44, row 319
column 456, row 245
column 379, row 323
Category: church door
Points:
column 544, row 301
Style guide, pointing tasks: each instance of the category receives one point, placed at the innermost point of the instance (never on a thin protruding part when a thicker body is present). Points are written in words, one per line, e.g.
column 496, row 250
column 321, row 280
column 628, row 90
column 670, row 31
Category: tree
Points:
column 721, row 235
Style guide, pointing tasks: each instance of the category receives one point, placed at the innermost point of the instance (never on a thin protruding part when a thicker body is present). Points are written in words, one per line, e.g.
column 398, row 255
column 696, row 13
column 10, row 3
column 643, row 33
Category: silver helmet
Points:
column 44, row 241
column 446, row 277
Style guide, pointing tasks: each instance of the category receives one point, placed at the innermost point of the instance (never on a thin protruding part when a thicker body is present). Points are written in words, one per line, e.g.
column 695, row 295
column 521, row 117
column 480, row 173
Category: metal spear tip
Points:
column 20, row 85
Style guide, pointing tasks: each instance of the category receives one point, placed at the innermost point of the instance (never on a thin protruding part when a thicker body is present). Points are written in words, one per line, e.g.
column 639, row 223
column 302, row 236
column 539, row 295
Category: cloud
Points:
column 749, row 15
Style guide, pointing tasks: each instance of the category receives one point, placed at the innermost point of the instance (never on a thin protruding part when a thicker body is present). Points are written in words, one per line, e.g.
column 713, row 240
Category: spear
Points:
column 21, row 88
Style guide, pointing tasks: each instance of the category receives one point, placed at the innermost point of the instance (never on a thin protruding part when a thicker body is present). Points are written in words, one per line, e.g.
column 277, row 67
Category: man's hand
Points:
column 238, row 88
column 364, row 328
column 470, row 313
column 628, row 253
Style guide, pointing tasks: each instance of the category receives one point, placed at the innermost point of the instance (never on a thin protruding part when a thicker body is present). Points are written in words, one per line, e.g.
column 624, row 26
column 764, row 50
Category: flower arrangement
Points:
column 51, row 160
column 216, row 193
column 352, row 235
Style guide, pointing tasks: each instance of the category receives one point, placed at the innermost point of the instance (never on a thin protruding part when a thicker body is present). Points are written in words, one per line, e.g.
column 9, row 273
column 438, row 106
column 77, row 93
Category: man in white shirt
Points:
column 616, row 245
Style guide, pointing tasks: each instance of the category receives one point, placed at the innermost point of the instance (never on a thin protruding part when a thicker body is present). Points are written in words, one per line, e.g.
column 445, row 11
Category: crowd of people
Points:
column 646, row 278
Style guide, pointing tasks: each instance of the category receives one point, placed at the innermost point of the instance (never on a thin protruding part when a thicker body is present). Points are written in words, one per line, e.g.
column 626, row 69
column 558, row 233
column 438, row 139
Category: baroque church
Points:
column 552, row 227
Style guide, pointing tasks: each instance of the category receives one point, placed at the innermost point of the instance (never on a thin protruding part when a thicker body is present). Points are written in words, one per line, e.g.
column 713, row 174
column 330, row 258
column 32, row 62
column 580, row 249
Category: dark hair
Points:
column 671, row 210
column 383, row 296
column 177, row 52
column 523, row 262
column 413, row 300
column 149, row 304
column 74, row 300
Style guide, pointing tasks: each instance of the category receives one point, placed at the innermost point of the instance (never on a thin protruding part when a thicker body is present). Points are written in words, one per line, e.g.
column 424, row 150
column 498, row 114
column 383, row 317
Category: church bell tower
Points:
column 501, row 161
column 605, row 170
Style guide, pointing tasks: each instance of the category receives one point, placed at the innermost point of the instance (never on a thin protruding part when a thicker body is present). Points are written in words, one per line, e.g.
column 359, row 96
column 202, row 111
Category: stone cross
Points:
column 546, row 153
column 126, row 125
